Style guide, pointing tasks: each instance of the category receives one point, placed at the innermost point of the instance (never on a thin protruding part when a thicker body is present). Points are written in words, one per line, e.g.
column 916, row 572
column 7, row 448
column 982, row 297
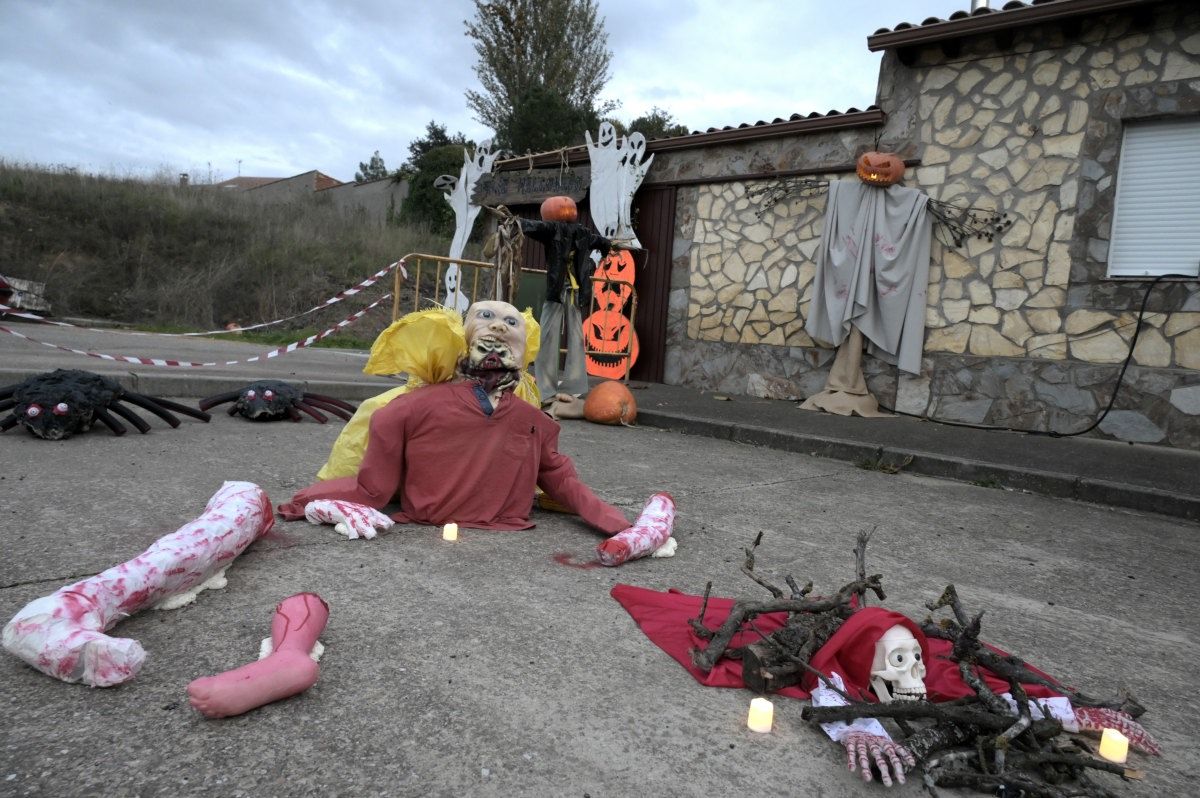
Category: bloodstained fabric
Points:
column 663, row 617
column 436, row 453
column 873, row 270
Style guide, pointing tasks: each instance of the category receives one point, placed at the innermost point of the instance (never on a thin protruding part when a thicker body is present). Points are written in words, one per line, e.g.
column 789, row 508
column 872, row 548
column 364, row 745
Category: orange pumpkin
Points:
column 880, row 168
column 608, row 336
column 610, row 403
column 559, row 209
column 617, row 265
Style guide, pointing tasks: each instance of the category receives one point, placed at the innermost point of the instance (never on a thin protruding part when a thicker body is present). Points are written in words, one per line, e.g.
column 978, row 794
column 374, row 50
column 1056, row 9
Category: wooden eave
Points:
column 730, row 135
column 994, row 20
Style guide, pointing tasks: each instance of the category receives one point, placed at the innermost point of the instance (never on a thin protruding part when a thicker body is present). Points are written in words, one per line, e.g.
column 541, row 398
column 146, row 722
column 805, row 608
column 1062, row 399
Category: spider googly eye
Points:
column 33, row 411
column 251, row 394
column 268, row 394
column 61, row 409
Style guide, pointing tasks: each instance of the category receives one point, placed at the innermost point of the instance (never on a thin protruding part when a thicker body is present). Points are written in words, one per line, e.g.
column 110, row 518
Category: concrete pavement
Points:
column 488, row 667
column 1135, row 476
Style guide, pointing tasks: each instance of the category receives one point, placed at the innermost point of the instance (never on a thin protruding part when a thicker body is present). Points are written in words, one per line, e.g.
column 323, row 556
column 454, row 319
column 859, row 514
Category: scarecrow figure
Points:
column 568, row 246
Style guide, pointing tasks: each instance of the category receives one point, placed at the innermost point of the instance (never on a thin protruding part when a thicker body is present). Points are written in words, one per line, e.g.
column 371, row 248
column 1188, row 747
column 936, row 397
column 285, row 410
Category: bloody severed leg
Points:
column 651, row 530
column 289, row 669
column 62, row 634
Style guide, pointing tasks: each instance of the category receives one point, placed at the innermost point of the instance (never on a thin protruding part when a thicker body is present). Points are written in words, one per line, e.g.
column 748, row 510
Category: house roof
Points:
column 796, row 123
column 1011, row 15
column 245, row 183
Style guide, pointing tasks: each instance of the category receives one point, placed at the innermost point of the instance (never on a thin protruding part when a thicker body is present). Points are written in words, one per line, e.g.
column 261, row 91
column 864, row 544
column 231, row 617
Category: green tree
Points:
column 550, row 54
column 429, row 157
column 657, row 124
column 435, row 136
column 372, row 170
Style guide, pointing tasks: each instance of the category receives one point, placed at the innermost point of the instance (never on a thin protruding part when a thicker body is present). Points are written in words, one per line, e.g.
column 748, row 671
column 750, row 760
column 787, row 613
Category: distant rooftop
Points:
column 245, row 183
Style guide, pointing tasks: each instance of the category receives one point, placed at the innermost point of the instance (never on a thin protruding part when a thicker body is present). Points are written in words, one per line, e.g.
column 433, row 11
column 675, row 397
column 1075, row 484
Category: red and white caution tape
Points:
column 374, row 278
column 154, row 361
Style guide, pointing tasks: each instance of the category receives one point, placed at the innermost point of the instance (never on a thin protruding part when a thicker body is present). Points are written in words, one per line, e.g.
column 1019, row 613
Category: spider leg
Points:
column 7, row 404
column 329, row 400
column 116, row 426
column 9, row 422
column 9, row 391
column 177, row 407
column 312, row 411
column 233, row 411
column 293, row 414
column 328, row 408
column 219, row 399
column 146, row 403
column 130, row 416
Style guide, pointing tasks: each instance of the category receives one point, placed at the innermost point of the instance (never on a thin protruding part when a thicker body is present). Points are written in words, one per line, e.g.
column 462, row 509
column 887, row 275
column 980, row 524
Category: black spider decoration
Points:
column 273, row 400
column 58, row 404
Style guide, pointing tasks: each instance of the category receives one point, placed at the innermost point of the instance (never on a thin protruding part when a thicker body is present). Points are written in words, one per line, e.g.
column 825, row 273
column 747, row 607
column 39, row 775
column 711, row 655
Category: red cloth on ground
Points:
column 663, row 617
column 436, row 452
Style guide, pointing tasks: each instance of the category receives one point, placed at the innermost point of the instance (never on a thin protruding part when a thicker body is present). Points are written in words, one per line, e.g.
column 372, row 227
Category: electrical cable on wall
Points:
column 1111, row 400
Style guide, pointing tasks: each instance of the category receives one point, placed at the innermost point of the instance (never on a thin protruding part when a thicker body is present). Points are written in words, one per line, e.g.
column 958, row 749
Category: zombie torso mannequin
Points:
column 467, row 451
column 569, row 267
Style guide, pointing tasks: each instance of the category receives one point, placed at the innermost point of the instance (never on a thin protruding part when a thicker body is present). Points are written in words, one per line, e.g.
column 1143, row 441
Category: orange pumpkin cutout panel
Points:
column 617, row 265
column 608, row 336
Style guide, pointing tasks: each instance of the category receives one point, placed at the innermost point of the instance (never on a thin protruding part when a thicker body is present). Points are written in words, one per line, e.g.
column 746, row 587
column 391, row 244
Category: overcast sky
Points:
column 146, row 86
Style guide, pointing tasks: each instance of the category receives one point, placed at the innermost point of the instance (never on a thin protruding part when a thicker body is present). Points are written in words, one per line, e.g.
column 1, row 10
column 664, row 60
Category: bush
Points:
column 193, row 257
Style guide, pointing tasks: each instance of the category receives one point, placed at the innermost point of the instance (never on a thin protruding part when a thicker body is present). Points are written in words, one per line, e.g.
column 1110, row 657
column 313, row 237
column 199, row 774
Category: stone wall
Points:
column 1026, row 331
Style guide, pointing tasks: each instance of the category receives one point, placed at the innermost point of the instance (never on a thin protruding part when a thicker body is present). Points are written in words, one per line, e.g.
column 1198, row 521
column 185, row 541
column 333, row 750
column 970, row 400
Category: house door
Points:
column 654, row 214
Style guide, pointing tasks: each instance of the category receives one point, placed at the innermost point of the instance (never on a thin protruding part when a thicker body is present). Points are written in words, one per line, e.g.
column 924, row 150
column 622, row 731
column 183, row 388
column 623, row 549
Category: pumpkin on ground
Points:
column 879, row 168
column 559, row 209
column 610, row 403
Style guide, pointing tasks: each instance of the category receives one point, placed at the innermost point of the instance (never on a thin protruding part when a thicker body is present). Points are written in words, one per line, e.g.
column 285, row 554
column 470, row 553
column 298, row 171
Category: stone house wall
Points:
column 1025, row 331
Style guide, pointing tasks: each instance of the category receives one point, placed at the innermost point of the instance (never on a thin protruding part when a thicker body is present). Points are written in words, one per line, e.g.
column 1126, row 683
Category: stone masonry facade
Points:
column 1025, row 331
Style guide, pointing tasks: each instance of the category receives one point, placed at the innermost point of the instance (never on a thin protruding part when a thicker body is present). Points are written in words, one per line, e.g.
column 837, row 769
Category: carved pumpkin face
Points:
column 608, row 336
column 559, row 209
column 617, row 265
column 880, row 168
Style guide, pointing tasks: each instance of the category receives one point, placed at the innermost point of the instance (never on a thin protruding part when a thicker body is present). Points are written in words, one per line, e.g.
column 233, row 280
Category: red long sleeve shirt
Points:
column 443, row 459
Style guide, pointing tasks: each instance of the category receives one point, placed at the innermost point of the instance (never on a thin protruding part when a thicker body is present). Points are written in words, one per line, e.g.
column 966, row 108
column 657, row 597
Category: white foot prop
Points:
column 62, row 635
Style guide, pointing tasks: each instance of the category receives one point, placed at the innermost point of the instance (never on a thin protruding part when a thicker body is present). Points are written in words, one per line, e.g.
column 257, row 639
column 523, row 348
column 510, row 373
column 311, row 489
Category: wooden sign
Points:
column 524, row 187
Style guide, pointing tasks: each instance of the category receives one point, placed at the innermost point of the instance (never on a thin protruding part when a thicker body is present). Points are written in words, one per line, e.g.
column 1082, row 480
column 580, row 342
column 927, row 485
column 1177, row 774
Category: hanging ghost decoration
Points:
column 458, row 193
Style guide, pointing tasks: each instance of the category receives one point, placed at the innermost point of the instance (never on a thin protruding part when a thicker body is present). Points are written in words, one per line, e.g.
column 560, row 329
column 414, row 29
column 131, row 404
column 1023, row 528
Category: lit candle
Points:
column 1114, row 746
column 762, row 712
column 450, row 532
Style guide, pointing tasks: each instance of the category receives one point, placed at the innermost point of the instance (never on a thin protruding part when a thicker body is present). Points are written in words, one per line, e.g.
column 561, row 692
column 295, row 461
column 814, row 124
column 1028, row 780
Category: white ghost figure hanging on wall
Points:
column 898, row 672
column 617, row 172
column 458, row 192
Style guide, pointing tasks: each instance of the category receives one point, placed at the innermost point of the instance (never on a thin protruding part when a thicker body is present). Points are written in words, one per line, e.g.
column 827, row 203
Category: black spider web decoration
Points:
column 776, row 191
column 954, row 224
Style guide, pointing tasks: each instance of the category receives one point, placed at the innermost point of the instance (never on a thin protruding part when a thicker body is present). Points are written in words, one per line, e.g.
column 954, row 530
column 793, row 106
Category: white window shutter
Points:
column 1156, row 217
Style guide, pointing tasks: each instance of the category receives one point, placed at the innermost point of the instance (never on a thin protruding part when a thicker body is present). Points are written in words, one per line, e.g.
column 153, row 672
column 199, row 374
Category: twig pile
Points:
column 975, row 742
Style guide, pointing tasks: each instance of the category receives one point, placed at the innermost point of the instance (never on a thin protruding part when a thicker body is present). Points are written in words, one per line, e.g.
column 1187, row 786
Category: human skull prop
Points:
column 898, row 672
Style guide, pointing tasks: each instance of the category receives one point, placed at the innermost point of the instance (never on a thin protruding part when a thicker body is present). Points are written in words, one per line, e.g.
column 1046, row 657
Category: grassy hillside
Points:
column 159, row 255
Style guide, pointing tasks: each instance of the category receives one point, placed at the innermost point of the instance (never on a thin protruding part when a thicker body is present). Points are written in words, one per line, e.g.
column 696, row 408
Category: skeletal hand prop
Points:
column 649, row 533
column 349, row 519
column 62, row 634
column 1096, row 719
column 862, row 748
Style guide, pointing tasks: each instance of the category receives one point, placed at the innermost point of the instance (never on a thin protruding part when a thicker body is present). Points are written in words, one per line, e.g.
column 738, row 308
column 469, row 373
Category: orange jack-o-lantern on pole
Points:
column 559, row 209
column 880, row 168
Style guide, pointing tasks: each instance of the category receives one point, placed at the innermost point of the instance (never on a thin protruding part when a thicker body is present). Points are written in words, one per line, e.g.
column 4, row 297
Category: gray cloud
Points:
column 135, row 87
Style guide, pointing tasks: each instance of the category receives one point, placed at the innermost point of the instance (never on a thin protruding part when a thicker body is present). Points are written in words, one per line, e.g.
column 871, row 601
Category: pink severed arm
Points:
column 62, row 635
column 651, row 530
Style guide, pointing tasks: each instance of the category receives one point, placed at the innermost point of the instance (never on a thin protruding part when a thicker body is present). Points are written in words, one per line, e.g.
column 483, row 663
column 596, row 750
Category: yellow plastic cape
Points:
column 425, row 345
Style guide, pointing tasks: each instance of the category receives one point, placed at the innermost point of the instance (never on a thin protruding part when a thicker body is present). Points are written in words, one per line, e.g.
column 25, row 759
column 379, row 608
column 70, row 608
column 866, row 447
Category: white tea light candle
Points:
column 762, row 713
column 1114, row 746
column 450, row 532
